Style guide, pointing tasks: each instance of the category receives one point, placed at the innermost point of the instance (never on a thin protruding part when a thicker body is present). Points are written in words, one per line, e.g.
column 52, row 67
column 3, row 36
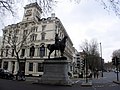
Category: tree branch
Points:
column 7, row 5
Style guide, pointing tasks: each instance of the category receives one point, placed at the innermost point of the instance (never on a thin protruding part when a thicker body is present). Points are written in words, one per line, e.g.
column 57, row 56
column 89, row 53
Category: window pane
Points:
column 43, row 36
column 32, row 50
column 23, row 52
column 40, row 67
column 6, row 52
column 5, row 66
column 12, row 52
column 2, row 53
column 42, row 51
column 30, row 66
column 43, row 27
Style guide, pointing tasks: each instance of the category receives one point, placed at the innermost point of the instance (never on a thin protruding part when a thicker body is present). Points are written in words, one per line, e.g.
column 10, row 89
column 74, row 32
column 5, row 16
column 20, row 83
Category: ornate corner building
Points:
column 31, row 37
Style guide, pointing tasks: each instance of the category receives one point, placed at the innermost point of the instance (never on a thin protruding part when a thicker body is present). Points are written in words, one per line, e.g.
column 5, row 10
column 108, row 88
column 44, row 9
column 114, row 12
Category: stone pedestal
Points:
column 56, row 72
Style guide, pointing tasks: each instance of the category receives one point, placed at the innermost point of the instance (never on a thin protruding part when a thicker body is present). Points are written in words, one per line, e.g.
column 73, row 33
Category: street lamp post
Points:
column 86, row 67
column 87, row 81
column 86, row 62
column 101, row 59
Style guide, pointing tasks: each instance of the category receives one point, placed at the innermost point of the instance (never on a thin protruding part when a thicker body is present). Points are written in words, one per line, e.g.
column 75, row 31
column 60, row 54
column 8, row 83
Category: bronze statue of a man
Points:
column 57, row 40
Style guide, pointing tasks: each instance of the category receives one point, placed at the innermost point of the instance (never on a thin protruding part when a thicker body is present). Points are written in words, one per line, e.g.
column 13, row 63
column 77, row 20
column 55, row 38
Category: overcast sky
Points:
column 86, row 20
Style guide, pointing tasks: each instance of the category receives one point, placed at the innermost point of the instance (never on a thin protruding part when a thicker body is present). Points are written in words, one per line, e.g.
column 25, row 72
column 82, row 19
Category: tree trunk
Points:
column 19, row 68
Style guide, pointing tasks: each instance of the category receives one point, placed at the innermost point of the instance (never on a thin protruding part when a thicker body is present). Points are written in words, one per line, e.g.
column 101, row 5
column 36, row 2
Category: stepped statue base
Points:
column 56, row 72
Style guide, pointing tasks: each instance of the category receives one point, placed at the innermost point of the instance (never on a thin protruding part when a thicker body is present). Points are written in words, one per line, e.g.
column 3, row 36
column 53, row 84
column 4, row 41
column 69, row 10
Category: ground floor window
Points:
column 40, row 67
column 30, row 66
column 5, row 65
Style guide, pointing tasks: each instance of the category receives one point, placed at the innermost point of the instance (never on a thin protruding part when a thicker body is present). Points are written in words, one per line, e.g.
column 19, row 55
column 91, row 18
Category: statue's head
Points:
column 56, row 34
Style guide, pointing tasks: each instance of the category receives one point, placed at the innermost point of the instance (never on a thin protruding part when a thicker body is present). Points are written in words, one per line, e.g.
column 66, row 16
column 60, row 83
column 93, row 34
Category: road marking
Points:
column 99, row 86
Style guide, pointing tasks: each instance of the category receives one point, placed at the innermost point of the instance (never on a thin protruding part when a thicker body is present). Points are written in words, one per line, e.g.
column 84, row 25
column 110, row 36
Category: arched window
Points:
column 32, row 50
column 42, row 51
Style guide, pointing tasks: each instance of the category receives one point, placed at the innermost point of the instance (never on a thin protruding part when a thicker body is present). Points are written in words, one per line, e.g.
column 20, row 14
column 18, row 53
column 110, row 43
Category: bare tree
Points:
column 47, row 5
column 116, row 53
column 10, row 5
column 6, row 5
column 111, row 5
column 14, row 40
column 92, row 54
column 9, row 8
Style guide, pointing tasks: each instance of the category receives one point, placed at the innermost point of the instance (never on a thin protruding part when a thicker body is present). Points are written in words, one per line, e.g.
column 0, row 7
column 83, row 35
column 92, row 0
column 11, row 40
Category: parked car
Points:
column 6, row 74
